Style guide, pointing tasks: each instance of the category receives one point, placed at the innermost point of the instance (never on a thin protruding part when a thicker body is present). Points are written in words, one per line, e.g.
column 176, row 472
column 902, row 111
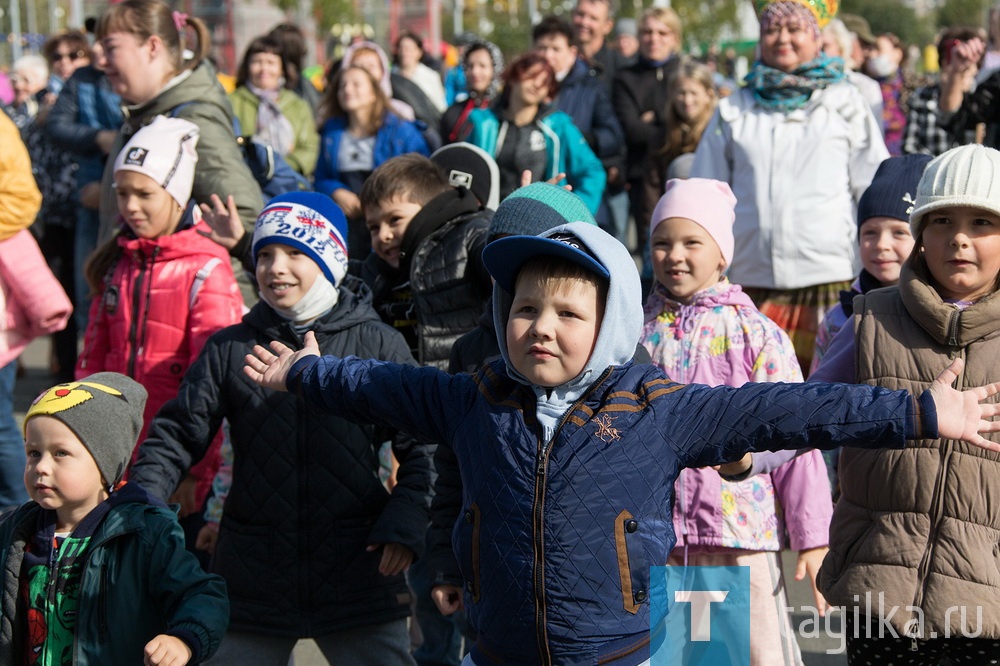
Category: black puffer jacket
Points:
column 305, row 499
column 640, row 88
column 442, row 252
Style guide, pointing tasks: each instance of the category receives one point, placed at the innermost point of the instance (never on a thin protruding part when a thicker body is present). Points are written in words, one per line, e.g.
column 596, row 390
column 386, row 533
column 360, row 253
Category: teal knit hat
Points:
column 538, row 207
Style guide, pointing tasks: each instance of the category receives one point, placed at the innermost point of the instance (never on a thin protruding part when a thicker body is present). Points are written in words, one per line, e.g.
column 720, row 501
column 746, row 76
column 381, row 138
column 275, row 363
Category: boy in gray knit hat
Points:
column 86, row 528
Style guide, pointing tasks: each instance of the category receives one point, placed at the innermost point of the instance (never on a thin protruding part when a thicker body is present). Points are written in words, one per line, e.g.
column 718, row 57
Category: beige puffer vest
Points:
column 920, row 525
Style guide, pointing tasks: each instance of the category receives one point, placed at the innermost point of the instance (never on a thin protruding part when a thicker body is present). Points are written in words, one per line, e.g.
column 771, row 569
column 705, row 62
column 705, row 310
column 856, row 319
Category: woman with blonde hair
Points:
column 692, row 101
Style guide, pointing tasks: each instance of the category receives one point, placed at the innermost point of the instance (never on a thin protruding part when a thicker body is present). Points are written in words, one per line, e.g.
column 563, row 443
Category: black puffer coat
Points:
column 442, row 252
column 305, row 499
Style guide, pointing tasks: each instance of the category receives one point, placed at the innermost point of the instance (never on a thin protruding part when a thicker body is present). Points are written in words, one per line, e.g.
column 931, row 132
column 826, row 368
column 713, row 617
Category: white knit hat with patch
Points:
column 165, row 151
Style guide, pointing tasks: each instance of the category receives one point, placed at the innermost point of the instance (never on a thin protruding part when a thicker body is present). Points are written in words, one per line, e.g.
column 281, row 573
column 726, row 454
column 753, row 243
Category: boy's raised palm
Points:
column 959, row 413
column 270, row 370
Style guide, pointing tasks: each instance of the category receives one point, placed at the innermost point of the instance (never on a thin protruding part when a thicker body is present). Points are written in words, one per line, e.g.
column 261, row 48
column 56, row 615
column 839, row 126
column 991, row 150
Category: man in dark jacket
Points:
column 586, row 100
column 640, row 99
column 593, row 22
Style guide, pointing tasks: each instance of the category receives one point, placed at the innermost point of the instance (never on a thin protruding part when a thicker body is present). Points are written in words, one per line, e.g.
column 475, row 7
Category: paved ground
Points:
column 306, row 654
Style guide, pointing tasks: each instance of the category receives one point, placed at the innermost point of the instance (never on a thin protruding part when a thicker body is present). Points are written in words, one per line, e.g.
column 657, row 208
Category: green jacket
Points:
column 220, row 168
column 303, row 156
column 138, row 581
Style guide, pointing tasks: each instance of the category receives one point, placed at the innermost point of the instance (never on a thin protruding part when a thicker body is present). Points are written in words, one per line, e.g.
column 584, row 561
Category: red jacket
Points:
column 156, row 313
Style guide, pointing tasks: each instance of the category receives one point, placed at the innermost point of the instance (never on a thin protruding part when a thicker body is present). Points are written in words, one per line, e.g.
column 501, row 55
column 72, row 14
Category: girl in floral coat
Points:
column 701, row 328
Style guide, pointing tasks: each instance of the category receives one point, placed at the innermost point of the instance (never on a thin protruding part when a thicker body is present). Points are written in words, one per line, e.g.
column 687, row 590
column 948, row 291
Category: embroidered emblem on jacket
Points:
column 605, row 432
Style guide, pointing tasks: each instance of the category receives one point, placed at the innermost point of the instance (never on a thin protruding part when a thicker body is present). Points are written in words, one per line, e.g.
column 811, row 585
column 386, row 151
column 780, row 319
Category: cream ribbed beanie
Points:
column 964, row 176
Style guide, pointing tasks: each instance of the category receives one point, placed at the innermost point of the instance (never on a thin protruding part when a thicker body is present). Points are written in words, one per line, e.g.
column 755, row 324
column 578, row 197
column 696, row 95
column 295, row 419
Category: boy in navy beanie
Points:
column 310, row 542
column 886, row 242
column 884, row 236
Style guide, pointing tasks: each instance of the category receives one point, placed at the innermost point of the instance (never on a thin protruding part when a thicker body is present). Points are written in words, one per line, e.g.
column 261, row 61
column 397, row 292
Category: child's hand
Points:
column 348, row 202
column 448, row 598
column 959, row 413
column 185, row 496
column 809, row 562
column 271, row 371
column 224, row 222
column 555, row 180
column 208, row 536
column 166, row 650
column 396, row 558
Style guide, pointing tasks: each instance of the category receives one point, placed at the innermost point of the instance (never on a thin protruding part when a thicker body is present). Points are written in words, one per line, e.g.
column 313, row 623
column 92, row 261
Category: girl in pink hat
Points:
column 700, row 328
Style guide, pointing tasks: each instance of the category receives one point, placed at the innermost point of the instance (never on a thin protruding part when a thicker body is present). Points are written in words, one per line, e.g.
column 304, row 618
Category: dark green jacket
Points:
column 303, row 155
column 220, row 169
column 138, row 582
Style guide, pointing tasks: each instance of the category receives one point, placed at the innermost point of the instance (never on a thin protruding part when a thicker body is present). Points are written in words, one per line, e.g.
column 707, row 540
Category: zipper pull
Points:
column 914, row 647
column 540, row 466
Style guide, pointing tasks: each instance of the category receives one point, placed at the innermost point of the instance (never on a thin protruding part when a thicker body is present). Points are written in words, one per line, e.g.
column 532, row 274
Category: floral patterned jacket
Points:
column 720, row 338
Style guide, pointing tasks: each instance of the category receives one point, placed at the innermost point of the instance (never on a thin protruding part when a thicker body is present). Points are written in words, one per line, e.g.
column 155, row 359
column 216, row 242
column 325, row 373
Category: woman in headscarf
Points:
column 482, row 63
column 798, row 145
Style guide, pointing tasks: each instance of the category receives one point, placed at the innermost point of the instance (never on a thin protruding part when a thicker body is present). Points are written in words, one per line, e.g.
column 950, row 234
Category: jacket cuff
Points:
column 191, row 640
column 242, row 249
column 293, row 383
column 808, row 539
column 921, row 417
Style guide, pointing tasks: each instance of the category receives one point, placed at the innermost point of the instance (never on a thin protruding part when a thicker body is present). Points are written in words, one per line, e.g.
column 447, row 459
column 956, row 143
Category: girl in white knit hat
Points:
column 915, row 530
column 160, row 286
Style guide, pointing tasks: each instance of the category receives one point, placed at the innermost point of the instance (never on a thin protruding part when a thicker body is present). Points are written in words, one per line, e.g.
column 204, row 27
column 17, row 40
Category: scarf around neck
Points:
column 776, row 90
column 273, row 128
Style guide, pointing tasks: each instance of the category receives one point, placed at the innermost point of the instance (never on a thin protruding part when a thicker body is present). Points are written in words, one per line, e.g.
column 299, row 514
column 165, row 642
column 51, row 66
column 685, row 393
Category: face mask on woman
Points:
column 881, row 66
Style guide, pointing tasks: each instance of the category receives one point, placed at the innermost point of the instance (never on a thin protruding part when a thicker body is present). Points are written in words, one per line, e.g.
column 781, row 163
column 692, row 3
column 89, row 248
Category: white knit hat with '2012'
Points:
column 964, row 176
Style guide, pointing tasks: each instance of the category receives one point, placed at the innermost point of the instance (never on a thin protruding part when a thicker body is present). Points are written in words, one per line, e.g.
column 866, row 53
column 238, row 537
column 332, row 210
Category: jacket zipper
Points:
column 133, row 333
column 953, row 333
column 914, row 631
column 538, row 522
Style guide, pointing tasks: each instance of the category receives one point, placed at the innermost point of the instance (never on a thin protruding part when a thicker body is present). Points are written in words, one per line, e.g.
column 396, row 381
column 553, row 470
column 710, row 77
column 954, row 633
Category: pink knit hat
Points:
column 708, row 203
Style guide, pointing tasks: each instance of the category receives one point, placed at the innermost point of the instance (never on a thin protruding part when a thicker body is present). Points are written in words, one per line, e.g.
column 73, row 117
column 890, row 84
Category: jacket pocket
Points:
column 469, row 542
column 632, row 565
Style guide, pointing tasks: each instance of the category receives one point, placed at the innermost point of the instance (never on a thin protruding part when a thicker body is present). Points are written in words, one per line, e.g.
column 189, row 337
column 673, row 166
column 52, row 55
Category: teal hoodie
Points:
column 566, row 148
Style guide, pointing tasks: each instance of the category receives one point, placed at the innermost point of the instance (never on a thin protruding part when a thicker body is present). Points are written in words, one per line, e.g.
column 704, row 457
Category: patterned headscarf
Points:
column 496, row 56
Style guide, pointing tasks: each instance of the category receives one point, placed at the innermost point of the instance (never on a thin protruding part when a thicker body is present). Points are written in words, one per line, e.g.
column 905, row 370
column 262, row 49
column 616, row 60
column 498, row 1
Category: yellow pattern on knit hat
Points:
column 823, row 10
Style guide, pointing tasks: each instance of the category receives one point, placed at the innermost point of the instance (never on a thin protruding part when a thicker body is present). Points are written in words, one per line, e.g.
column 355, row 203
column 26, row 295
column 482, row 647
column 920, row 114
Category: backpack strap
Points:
column 199, row 279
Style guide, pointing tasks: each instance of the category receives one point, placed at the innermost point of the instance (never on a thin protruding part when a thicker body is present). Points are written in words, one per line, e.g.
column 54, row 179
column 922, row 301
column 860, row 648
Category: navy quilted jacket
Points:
column 555, row 542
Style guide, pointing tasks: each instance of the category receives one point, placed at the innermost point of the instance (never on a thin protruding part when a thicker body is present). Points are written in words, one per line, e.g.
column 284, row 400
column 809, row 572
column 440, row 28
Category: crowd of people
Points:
column 582, row 310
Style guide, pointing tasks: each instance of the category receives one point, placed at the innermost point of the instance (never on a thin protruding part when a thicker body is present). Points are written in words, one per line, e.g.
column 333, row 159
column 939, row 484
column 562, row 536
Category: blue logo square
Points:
column 700, row 616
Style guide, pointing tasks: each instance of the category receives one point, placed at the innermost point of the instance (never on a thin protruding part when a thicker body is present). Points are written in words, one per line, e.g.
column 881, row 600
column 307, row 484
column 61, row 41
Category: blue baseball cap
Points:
column 505, row 257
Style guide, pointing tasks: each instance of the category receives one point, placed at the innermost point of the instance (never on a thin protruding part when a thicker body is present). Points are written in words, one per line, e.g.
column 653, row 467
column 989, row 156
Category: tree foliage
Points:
column 895, row 17
column 962, row 12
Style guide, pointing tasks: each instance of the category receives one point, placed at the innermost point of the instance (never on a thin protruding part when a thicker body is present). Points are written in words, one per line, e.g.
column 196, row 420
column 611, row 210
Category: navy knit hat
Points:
column 310, row 222
column 530, row 210
column 893, row 191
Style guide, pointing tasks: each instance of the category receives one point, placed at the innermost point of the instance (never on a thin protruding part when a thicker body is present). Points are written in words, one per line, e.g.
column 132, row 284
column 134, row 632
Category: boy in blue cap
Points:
column 568, row 451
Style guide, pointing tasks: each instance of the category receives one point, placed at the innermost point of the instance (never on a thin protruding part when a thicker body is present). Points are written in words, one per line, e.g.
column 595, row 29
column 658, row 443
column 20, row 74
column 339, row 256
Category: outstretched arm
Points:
column 952, row 414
